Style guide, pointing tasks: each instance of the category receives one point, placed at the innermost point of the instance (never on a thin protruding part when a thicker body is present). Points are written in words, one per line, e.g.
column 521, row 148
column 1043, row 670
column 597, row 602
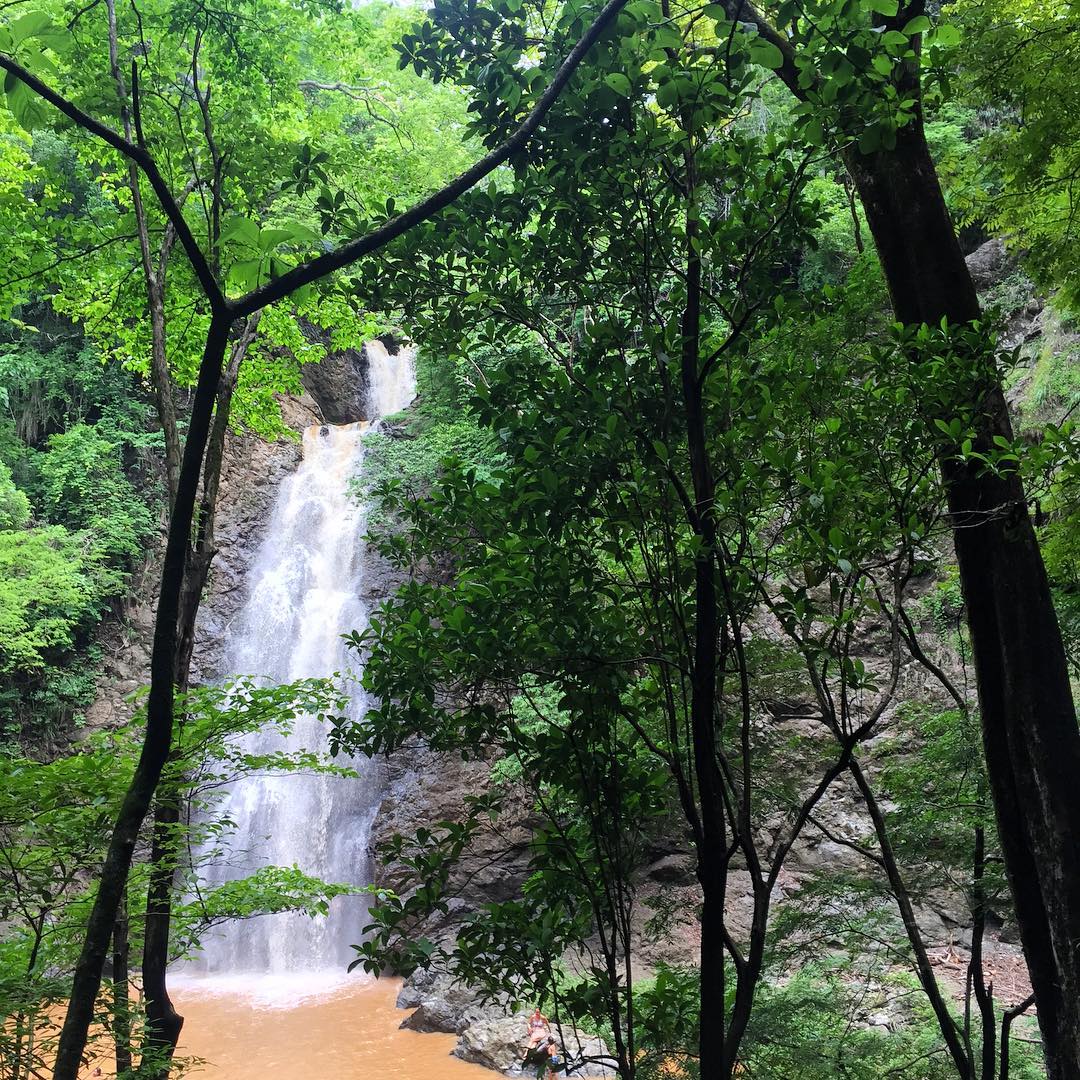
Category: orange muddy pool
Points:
column 259, row 1029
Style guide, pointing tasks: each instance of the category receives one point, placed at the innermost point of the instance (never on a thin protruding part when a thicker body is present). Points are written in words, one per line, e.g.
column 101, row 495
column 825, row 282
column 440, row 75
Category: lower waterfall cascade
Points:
column 305, row 590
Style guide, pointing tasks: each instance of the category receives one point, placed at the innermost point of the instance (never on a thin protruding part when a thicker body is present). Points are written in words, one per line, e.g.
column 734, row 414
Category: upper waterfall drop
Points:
column 391, row 379
column 304, row 591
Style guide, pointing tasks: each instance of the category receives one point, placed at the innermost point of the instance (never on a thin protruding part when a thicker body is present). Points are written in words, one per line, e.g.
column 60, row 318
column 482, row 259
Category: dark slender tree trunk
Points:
column 924, row 969
column 163, row 1022
column 984, row 994
column 714, row 1058
column 1007, row 1019
column 121, row 997
column 1029, row 722
column 159, row 721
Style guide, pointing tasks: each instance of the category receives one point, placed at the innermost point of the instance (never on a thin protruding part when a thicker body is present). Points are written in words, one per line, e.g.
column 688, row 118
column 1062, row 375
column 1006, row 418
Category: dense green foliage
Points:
column 665, row 426
column 81, row 509
column 79, row 432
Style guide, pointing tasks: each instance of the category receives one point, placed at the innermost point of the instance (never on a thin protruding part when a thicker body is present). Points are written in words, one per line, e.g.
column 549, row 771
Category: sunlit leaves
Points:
column 765, row 54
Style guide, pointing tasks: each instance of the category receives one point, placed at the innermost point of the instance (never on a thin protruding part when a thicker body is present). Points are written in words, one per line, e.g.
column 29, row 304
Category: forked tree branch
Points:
column 319, row 267
column 314, row 269
column 160, row 703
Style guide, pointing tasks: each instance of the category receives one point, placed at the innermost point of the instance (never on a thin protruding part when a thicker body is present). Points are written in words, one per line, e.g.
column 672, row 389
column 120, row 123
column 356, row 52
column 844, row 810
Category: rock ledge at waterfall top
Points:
column 339, row 383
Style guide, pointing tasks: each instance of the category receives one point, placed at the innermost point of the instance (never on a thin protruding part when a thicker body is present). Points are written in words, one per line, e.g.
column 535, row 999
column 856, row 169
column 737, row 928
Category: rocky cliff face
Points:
column 339, row 384
column 252, row 472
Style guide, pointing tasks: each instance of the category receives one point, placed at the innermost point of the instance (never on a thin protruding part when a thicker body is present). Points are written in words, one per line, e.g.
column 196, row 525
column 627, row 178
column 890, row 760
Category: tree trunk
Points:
column 121, row 997
column 163, row 1022
column 159, row 721
column 715, row 1060
column 984, row 994
column 924, row 968
column 155, row 293
column 1029, row 723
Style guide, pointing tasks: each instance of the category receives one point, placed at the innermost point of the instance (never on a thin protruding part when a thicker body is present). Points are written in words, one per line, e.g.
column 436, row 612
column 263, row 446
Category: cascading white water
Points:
column 304, row 592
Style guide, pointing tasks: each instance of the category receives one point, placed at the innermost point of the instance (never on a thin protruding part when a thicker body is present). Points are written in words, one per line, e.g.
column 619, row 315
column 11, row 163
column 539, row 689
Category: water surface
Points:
column 347, row 1033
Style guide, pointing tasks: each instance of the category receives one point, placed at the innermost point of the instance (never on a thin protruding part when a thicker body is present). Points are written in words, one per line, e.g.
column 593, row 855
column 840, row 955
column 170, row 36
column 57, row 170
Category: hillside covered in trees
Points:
column 563, row 504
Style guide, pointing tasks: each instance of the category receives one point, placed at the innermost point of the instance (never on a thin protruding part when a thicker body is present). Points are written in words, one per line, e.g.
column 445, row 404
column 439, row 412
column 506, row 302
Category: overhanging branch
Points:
column 348, row 253
column 141, row 158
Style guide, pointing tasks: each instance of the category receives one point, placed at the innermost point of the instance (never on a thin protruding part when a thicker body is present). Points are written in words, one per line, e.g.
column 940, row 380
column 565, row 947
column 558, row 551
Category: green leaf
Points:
column 884, row 7
column 58, row 39
column 667, row 95
column 945, row 34
column 28, row 109
column 271, row 238
column 619, row 83
column 668, row 37
column 814, row 131
column 241, row 230
column 765, row 54
column 870, row 140
column 28, row 25
column 919, row 25
column 246, row 273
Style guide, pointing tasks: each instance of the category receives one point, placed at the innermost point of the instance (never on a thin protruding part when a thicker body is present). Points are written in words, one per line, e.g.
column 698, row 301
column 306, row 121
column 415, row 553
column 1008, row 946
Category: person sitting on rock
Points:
column 554, row 1060
column 538, row 1028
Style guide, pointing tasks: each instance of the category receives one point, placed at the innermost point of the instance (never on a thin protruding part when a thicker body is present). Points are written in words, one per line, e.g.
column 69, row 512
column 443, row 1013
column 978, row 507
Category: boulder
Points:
column 675, row 869
column 442, row 1004
column 583, row 1052
column 434, row 1015
column 988, row 264
column 497, row 1043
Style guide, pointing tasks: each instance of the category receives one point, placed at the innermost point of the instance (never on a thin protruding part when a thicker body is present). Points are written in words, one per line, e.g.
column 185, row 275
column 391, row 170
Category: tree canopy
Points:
column 727, row 499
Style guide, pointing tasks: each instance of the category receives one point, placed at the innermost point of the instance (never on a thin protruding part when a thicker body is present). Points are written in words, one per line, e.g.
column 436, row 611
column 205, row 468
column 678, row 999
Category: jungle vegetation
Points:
column 725, row 488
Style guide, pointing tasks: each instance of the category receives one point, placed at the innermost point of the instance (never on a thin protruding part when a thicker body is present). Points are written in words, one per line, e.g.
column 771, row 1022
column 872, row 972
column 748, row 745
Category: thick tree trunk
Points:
column 1028, row 718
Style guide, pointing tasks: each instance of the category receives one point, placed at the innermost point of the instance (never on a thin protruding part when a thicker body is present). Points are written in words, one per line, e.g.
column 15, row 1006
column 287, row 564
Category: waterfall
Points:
column 304, row 591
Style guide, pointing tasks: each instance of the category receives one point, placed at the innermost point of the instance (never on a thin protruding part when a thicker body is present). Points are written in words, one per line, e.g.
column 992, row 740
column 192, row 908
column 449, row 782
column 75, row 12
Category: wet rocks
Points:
column 339, row 382
column 425, row 787
column 441, row 1003
column 495, row 1043
column 498, row 1043
column 339, row 385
